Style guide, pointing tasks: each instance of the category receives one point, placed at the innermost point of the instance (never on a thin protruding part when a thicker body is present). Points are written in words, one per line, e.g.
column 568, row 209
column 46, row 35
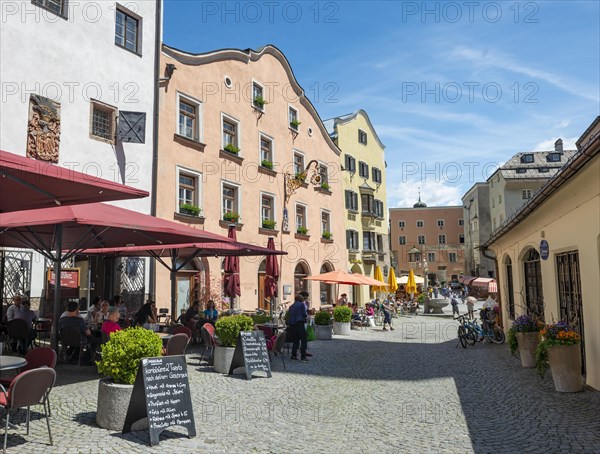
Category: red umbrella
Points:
column 231, row 282
column 27, row 184
column 272, row 274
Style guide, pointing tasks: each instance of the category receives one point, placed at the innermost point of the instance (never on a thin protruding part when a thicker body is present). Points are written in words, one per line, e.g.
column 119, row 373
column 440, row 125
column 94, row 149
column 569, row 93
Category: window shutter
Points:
column 348, row 239
column 131, row 127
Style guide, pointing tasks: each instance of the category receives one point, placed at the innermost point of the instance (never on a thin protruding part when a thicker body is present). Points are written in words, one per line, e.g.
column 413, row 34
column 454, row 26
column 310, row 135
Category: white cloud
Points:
column 548, row 145
column 433, row 193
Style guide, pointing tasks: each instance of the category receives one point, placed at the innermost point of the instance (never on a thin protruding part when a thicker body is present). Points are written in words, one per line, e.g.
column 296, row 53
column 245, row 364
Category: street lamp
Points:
column 425, row 271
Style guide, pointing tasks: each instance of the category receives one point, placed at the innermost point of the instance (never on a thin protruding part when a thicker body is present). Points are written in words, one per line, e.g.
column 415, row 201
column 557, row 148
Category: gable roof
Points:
column 331, row 124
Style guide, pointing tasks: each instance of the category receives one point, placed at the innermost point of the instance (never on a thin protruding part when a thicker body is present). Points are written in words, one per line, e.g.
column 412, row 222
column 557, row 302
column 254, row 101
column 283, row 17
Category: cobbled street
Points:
column 408, row 390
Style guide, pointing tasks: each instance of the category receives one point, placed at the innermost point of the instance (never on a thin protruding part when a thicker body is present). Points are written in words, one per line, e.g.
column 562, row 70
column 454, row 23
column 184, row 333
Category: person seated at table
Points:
column 369, row 311
column 102, row 314
column 120, row 305
column 29, row 316
column 15, row 309
column 210, row 313
column 95, row 307
column 147, row 314
column 111, row 324
column 72, row 319
column 192, row 312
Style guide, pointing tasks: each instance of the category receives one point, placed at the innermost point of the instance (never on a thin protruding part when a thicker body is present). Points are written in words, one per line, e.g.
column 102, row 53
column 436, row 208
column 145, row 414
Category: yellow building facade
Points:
column 363, row 178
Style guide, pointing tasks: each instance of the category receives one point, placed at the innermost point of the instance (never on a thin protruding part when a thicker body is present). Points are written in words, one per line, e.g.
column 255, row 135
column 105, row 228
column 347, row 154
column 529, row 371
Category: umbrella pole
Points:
column 57, row 270
column 173, row 287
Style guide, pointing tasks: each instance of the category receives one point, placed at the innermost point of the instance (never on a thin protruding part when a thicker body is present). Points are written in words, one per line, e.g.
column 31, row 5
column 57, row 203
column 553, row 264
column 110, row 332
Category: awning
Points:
column 27, row 184
column 491, row 284
column 466, row 279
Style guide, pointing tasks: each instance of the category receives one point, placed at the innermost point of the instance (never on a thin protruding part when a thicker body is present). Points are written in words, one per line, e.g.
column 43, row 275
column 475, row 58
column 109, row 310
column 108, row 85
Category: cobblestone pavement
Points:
column 408, row 390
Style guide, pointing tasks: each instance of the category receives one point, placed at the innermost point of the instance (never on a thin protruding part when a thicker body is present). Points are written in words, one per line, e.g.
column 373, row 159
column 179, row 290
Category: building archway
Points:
column 301, row 271
column 534, row 296
column 356, row 289
column 192, row 283
column 326, row 295
column 510, row 293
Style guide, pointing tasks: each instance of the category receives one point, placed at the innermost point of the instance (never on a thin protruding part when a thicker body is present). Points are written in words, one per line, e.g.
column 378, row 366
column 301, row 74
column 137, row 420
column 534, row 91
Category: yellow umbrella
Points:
column 392, row 284
column 411, row 285
column 378, row 277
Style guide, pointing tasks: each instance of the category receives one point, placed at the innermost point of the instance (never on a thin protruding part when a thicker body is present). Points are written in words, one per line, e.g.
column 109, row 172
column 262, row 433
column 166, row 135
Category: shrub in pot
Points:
column 323, row 325
column 559, row 349
column 523, row 336
column 121, row 357
column 342, row 315
column 227, row 330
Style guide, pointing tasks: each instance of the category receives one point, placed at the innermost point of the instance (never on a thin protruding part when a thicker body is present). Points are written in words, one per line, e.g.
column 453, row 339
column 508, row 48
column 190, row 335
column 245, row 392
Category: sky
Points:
column 453, row 89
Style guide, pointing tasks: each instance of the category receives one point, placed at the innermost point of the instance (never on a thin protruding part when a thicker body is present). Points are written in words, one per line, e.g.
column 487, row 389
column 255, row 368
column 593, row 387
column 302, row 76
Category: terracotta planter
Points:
column 565, row 365
column 323, row 332
column 528, row 342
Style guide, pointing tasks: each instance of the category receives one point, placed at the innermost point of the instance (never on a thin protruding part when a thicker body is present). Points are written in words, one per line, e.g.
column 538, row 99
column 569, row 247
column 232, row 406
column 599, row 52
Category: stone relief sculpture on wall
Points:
column 43, row 129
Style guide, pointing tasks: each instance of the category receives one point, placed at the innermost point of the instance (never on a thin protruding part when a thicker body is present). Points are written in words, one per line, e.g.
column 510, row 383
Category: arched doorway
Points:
column 326, row 295
column 356, row 289
column 263, row 303
column 300, row 272
column 534, row 297
column 510, row 294
column 191, row 283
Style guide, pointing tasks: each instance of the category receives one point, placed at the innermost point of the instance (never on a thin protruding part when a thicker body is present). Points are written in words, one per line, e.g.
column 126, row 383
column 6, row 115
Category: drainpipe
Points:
column 157, row 50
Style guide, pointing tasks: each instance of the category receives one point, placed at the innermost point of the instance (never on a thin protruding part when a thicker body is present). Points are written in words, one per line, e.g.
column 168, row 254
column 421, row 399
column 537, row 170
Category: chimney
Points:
column 558, row 146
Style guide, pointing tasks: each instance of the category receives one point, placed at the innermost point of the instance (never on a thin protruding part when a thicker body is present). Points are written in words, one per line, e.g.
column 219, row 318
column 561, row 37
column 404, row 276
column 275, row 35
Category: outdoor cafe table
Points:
column 12, row 362
column 273, row 327
column 164, row 336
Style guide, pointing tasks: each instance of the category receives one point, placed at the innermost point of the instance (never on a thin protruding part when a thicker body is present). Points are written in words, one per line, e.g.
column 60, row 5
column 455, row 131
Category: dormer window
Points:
column 362, row 137
column 543, row 170
column 553, row 157
column 521, row 170
column 527, row 158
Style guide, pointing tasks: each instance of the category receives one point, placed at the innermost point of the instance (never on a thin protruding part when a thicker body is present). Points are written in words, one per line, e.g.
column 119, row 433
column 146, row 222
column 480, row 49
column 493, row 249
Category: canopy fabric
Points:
column 490, row 283
column 404, row 280
column 378, row 276
column 466, row 279
column 27, row 184
column 341, row 277
column 271, row 271
column 411, row 285
column 231, row 282
column 93, row 225
column 392, row 283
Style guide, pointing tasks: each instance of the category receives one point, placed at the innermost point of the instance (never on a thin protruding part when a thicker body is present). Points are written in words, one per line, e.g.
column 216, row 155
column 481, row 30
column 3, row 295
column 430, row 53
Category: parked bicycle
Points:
column 470, row 331
column 467, row 333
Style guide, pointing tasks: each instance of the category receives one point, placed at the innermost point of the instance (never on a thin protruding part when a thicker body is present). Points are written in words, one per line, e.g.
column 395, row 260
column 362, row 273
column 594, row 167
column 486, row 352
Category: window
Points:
column 421, row 239
column 325, row 222
column 461, row 239
column 401, row 224
column 267, row 205
column 230, row 133
column 258, row 100
column 362, row 137
column 103, row 122
column 363, row 169
column 293, row 118
column 379, row 243
column 323, row 172
column 440, row 223
column 420, row 223
column 521, row 170
column 127, row 31
column 230, row 199
column 461, row 222
column 56, row 6
column 431, row 257
column 266, row 149
column 553, row 157
column 526, row 194
column 368, row 203
column 188, row 124
column 378, row 205
column 442, row 239
column 188, row 189
column 376, row 175
column 349, row 163
column 351, row 200
column 543, row 170
column 300, row 217
column 452, row 257
column 499, row 199
column 298, row 163
column 527, row 158
column 401, row 240
column 352, row 240
column 510, row 292
column 474, row 225
column 369, row 241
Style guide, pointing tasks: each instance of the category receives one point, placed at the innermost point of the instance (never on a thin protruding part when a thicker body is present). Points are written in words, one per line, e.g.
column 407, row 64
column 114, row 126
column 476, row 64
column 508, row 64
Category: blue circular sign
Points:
column 544, row 250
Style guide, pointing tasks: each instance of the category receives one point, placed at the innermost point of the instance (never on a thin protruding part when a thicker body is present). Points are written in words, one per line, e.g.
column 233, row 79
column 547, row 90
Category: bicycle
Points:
column 466, row 332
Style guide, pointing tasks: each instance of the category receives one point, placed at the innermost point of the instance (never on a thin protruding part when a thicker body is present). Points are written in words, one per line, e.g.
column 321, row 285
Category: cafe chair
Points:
column 18, row 332
column 208, row 338
column 71, row 337
column 182, row 330
column 44, row 328
column 278, row 346
column 36, row 358
column 29, row 388
column 177, row 344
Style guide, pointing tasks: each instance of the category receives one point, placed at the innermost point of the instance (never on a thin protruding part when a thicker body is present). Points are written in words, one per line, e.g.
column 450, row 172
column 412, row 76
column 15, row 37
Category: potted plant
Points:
column 188, row 208
column 267, row 164
column 268, row 224
column 327, row 235
column 294, row 124
column 524, row 337
column 323, row 325
column 231, row 216
column 342, row 315
column 302, row 231
column 300, row 176
column 231, row 148
column 259, row 102
column 325, row 186
column 559, row 350
column 121, row 357
column 227, row 330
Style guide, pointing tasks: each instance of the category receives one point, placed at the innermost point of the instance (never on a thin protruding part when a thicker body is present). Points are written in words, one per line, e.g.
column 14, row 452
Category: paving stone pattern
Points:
column 408, row 390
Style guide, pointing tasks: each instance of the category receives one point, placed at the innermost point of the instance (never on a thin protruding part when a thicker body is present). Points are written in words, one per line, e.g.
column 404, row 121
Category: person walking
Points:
column 298, row 316
column 454, row 303
column 387, row 315
column 471, row 300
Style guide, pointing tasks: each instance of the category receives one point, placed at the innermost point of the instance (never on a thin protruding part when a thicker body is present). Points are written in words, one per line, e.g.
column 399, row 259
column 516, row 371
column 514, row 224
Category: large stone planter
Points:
column 565, row 365
column 323, row 332
column 527, row 342
column 222, row 359
column 113, row 402
column 341, row 328
column 437, row 304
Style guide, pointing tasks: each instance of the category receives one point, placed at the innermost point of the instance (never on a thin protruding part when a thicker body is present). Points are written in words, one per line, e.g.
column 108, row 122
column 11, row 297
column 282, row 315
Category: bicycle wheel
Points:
column 499, row 336
column 471, row 336
column 462, row 337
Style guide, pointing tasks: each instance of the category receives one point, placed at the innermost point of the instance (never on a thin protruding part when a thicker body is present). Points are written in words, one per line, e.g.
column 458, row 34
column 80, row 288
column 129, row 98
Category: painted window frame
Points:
column 197, row 176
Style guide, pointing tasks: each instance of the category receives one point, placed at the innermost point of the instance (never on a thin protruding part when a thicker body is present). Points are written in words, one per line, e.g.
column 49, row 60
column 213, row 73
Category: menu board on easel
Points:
column 251, row 353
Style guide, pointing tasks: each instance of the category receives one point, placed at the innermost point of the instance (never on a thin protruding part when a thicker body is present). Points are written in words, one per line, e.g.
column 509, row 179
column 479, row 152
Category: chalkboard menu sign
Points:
column 161, row 392
column 251, row 352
